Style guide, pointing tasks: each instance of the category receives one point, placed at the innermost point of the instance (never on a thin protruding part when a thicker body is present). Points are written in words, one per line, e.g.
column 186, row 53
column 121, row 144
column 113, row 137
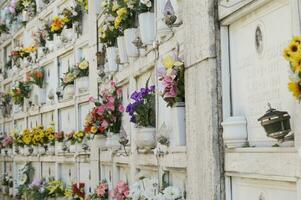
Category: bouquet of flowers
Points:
column 50, row 135
column 39, row 136
column 108, row 33
column 78, row 191
column 121, row 191
column 17, row 138
column 27, row 137
column 7, row 141
column 37, row 189
column 68, row 78
column 107, row 114
column 293, row 54
column 101, row 191
column 39, row 37
column 20, row 91
column 82, row 69
column 37, row 77
column 79, row 136
column 70, row 137
column 57, row 24
column 55, row 188
column 22, row 52
column 142, row 110
column 59, row 136
column 171, row 76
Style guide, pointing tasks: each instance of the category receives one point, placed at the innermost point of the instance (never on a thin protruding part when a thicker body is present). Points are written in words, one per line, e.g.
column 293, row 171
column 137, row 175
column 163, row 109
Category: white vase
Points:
column 145, row 138
column 122, row 49
column 147, row 27
column 69, row 91
column 11, row 191
column 59, row 147
column 112, row 59
column 99, row 141
column 177, row 125
column 82, row 84
column 50, row 149
column 112, row 141
column 42, row 150
column 130, row 35
column 235, row 131
column 72, row 148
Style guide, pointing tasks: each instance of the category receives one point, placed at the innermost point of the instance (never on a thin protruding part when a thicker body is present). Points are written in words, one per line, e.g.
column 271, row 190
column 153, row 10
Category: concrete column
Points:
column 203, row 101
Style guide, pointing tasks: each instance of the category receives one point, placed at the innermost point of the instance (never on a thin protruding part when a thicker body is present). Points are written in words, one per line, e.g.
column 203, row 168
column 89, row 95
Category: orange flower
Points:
column 39, row 74
column 57, row 24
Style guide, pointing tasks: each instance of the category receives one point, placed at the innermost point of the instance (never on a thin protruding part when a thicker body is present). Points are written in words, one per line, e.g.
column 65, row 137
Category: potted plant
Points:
column 143, row 115
column 171, row 78
column 146, row 19
column 36, row 77
column 67, row 83
column 82, row 75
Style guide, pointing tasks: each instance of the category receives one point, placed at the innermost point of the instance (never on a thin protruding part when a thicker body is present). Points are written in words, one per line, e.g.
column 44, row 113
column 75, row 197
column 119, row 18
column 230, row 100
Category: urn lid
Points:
column 272, row 113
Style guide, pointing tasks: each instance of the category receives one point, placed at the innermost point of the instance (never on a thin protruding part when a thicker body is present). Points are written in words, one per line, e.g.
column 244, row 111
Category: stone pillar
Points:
column 203, row 101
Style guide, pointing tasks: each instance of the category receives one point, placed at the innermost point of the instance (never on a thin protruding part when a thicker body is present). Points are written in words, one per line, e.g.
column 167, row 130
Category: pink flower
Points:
column 113, row 84
column 121, row 108
column 110, row 106
column 104, row 124
column 100, row 109
column 171, row 92
column 92, row 99
column 119, row 92
column 111, row 99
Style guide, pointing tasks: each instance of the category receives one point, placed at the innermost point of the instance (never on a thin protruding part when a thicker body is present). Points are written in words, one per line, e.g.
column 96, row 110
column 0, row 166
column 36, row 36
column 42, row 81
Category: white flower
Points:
column 148, row 3
column 172, row 193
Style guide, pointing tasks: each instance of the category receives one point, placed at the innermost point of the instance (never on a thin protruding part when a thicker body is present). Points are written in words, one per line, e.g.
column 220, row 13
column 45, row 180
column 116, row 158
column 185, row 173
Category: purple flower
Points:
column 135, row 96
column 152, row 88
column 36, row 183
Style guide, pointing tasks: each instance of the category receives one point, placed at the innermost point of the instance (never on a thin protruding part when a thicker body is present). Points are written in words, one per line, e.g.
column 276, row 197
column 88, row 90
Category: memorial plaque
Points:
column 259, row 73
column 250, row 189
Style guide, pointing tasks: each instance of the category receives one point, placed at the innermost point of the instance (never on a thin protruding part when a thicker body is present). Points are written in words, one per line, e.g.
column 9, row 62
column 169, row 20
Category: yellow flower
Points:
column 84, row 65
column 93, row 129
column 68, row 193
column 26, row 139
column 122, row 12
column 115, row 6
column 296, row 39
column 295, row 89
column 169, row 62
column 117, row 22
column 65, row 20
column 57, row 24
column 296, row 64
column 51, row 137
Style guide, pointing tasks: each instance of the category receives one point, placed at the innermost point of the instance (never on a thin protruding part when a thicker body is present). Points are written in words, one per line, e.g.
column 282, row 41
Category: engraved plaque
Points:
column 259, row 73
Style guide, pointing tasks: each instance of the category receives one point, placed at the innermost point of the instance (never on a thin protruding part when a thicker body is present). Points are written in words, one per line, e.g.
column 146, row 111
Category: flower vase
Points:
column 122, row 49
column 147, row 27
column 59, row 147
column 130, row 35
column 42, row 150
column 177, row 124
column 72, row 148
column 99, row 141
column 235, row 131
column 5, row 189
column 82, row 84
column 25, row 16
column 50, row 149
column 69, row 91
column 112, row 141
column 112, row 59
column 145, row 138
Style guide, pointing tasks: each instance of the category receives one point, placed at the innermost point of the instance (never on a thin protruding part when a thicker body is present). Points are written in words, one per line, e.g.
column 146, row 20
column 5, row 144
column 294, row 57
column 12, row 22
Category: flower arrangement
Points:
column 145, row 6
column 102, row 190
column 55, row 188
column 7, row 141
column 142, row 110
column 121, row 191
column 106, row 116
column 293, row 54
column 68, row 78
column 37, row 77
column 171, row 76
column 21, row 52
column 39, row 37
column 59, row 136
column 37, row 190
column 17, row 138
column 82, row 69
column 20, row 91
column 78, row 191
column 108, row 33
column 26, row 137
column 70, row 137
column 57, row 24
column 79, row 136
